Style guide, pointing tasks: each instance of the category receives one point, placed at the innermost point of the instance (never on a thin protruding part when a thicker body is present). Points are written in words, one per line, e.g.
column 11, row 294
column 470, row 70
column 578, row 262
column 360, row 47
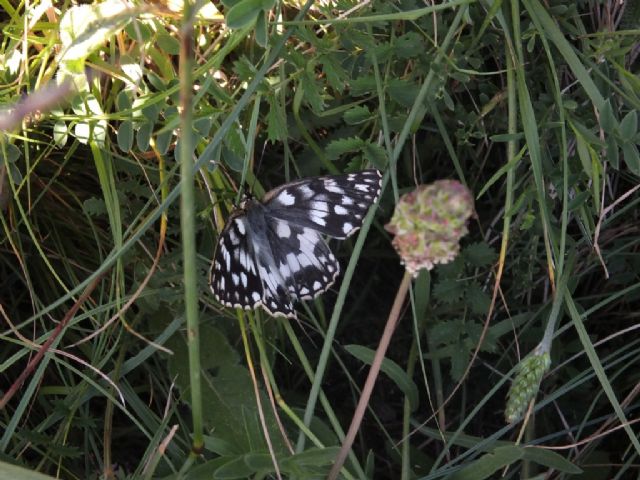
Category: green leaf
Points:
column 489, row 463
column 403, row 92
column 631, row 158
column 314, row 457
column 14, row 472
column 243, row 14
column 9, row 153
column 391, row 369
column 60, row 133
column 363, row 85
column 356, row 115
column 477, row 299
column 235, row 468
column 311, row 91
column 422, row 292
column 202, row 126
column 219, row 446
column 123, row 101
column 375, row 154
column 94, row 206
column 125, row 136
column 261, row 29
column 139, row 31
column 607, row 118
column 480, row 254
column 94, row 128
column 612, row 152
column 229, row 403
column 143, row 136
column 629, row 126
column 259, row 461
column 85, row 28
column 337, row 148
column 163, row 140
column 549, row 459
column 166, row 42
column 409, row 45
column 584, row 155
column 276, row 126
column 448, row 291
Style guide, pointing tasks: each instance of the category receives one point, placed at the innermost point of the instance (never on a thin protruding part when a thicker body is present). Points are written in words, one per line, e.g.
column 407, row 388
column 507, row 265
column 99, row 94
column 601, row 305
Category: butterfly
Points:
column 272, row 252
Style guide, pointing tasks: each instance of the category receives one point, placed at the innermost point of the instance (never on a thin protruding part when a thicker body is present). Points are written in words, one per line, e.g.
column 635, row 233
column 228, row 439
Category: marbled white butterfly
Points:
column 271, row 252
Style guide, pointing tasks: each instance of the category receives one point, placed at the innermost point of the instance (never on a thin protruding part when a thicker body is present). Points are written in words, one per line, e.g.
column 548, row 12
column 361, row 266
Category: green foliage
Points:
column 534, row 106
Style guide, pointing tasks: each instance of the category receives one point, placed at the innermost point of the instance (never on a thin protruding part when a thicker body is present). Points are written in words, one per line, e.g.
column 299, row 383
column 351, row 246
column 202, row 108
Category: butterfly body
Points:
column 271, row 252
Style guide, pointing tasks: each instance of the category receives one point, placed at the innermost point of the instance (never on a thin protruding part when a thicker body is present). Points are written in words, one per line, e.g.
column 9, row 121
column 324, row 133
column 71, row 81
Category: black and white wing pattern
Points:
column 272, row 253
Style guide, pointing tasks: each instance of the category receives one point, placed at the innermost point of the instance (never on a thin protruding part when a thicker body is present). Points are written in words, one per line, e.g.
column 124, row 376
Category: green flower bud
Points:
column 429, row 222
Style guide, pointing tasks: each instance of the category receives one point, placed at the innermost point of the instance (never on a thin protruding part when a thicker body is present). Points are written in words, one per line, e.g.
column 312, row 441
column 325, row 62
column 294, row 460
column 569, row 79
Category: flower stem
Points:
column 392, row 321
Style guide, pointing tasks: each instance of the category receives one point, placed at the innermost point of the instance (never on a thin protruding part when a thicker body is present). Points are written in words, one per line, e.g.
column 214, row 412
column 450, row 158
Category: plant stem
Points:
column 187, row 223
column 392, row 321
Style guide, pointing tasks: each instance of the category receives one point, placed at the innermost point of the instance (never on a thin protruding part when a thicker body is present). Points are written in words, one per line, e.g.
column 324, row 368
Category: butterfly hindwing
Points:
column 302, row 258
column 334, row 205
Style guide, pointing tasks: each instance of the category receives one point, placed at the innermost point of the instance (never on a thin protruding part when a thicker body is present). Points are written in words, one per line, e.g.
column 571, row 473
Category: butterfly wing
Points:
column 333, row 205
column 302, row 259
column 243, row 275
column 235, row 277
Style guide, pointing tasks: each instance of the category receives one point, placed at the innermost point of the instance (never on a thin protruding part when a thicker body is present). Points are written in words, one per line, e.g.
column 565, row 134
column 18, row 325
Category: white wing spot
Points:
column 255, row 296
column 317, row 219
column 235, row 278
column 322, row 207
column 340, row 210
column 243, row 278
column 347, row 227
column 346, row 200
column 304, row 291
column 335, row 189
column 283, row 230
column 240, row 226
column 317, row 285
column 285, row 198
column 306, row 192
column 226, row 257
column 361, row 187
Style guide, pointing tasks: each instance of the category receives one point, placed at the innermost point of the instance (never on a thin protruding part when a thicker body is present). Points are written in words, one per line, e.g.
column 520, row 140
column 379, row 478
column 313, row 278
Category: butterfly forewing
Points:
column 271, row 253
column 334, row 205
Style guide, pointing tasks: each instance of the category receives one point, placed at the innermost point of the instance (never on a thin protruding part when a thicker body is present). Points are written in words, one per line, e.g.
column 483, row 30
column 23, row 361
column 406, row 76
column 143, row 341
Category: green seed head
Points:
column 526, row 384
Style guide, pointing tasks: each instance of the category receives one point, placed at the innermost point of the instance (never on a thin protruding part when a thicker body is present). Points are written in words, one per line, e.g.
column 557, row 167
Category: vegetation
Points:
column 116, row 361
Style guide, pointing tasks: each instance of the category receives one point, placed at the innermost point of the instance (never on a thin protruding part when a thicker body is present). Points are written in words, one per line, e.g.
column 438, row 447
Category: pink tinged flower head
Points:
column 429, row 222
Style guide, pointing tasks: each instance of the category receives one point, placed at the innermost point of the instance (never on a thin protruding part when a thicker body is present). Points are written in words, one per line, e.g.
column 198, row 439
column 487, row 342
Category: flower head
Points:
column 429, row 222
